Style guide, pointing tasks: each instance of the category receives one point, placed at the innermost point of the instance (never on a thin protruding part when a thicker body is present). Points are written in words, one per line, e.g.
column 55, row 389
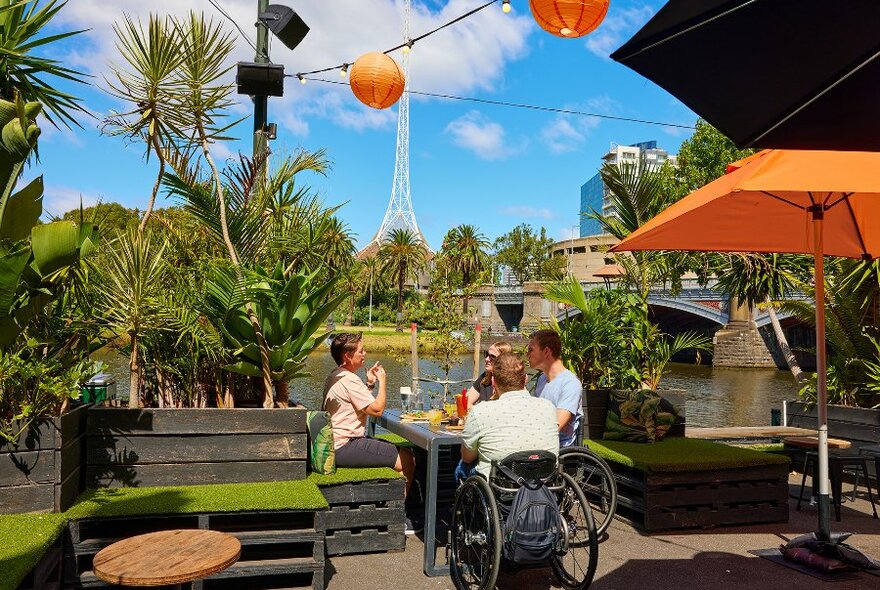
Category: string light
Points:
column 407, row 46
column 302, row 79
column 505, row 7
column 533, row 107
column 343, row 72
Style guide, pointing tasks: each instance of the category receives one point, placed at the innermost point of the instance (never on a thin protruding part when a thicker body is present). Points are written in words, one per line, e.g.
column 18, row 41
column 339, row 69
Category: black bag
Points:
column 533, row 527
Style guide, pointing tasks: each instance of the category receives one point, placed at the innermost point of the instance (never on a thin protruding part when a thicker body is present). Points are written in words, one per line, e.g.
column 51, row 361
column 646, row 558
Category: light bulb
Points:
column 407, row 46
column 505, row 8
column 301, row 79
column 344, row 71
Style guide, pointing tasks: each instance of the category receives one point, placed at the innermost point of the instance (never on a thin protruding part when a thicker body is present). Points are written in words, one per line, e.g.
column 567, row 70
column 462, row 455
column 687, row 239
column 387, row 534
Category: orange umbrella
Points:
column 804, row 202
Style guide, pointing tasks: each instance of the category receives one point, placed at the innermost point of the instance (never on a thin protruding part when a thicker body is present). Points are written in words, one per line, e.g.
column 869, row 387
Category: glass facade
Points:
column 591, row 200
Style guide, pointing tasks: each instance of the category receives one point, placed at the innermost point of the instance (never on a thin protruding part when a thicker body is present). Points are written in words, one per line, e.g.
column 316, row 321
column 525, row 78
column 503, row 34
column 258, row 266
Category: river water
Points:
column 715, row 396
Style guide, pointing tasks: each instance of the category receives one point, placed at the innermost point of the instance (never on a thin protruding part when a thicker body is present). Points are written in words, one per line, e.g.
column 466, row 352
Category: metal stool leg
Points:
column 864, row 467
column 803, row 481
column 835, row 471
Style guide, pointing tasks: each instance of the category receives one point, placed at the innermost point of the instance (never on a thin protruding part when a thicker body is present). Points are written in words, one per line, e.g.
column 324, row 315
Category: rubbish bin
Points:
column 775, row 417
column 99, row 389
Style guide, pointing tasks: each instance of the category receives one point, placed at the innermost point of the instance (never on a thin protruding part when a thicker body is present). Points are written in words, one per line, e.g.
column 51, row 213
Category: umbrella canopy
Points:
column 801, row 74
column 610, row 271
column 804, row 202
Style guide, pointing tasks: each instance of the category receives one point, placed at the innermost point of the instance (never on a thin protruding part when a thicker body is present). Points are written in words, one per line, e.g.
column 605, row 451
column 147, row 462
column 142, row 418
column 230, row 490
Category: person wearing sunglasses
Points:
column 481, row 390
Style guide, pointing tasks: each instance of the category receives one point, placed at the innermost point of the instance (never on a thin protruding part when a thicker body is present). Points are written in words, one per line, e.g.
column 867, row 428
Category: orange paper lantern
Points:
column 569, row 18
column 376, row 80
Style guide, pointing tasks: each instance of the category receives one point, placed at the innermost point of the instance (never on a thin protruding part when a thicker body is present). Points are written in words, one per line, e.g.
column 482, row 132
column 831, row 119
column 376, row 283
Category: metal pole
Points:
column 414, row 350
column 261, row 103
column 477, row 333
column 824, row 532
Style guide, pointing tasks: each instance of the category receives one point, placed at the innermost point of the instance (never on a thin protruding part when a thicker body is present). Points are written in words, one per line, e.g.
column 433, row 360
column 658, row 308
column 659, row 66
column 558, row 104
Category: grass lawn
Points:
column 682, row 454
column 24, row 538
column 384, row 339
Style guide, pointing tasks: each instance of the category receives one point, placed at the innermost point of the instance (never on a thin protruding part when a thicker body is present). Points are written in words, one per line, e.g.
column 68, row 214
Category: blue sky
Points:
column 487, row 165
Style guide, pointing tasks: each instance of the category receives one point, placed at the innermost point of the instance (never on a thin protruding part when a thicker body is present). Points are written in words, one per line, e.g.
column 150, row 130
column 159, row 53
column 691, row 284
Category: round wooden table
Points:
column 812, row 442
column 166, row 557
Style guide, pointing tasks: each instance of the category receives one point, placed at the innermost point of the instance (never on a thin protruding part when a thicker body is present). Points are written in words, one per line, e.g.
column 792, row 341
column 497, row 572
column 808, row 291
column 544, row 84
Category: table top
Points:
column 166, row 557
column 420, row 434
column 733, row 432
column 812, row 442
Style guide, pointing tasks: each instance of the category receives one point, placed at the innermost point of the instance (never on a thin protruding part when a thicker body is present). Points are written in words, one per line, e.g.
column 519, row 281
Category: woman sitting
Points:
column 481, row 390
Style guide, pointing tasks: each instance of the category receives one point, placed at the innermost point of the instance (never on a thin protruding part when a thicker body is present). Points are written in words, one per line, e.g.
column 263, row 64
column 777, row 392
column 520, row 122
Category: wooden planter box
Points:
column 279, row 549
column 363, row 517
column 43, row 471
column 158, row 447
column 677, row 500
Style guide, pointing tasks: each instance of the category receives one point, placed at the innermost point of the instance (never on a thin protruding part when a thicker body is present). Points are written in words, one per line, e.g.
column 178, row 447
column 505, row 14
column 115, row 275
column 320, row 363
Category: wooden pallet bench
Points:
column 735, row 486
column 275, row 546
column 366, row 514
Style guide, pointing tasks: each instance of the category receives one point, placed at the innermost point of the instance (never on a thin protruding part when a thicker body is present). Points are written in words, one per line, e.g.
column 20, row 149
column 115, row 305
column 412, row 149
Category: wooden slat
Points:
column 373, row 491
column 761, row 472
column 27, row 468
column 107, row 450
column 40, row 436
column 747, row 432
column 115, row 476
column 343, row 517
column 71, row 425
column 69, row 489
column 196, row 421
column 367, row 541
column 33, row 498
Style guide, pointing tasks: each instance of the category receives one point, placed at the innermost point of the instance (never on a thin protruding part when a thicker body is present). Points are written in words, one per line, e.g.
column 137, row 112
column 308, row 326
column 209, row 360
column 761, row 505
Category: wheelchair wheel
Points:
column 475, row 552
column 596, row 480
column 575, row 562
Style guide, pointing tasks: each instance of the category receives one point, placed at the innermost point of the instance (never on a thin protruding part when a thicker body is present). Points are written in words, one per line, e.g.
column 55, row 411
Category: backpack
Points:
column 533, row 527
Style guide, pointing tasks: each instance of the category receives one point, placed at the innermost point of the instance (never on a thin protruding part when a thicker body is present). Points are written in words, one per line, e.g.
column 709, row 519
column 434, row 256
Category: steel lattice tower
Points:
column 400, row 214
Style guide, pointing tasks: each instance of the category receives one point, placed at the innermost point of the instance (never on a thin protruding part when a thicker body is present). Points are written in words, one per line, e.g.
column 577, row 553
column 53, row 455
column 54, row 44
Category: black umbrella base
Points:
column 831, row 560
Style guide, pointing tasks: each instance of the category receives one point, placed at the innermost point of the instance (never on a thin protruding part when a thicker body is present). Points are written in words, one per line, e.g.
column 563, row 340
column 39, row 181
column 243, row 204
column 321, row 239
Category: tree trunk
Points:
column 790, row 359
column 400, row 278
column 228, row 400
column 134, row 396
column 233, row 255
column 158, row 150
column 350, row 316
column 282, row 397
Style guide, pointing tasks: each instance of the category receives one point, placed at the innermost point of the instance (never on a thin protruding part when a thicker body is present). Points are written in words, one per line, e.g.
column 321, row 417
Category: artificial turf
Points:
column 396, row 440
column 681, row 454
column 24, row 538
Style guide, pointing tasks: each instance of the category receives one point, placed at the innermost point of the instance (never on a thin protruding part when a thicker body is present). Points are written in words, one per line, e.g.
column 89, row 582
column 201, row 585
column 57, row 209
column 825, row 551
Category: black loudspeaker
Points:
column 285, row 23
column 260, row 79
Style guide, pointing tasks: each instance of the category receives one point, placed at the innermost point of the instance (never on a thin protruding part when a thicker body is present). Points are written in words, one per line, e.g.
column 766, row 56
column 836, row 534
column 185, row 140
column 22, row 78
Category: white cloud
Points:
column 527, row 211
column 567, row 133
column 617, row 27
column 465, row 57
column 476, row 132
column 58, row 200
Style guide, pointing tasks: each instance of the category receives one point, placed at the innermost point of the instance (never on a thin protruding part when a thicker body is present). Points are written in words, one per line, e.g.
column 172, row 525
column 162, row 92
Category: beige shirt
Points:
column 345, row 397
column 514, row 422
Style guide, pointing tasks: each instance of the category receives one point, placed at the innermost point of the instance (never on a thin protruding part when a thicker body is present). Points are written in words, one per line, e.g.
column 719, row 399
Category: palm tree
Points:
column 130, row 289
column 150, row 84
column 758, row 279
column 402, row 254
column 466, row 248
column 351, row 282
column 23, row 73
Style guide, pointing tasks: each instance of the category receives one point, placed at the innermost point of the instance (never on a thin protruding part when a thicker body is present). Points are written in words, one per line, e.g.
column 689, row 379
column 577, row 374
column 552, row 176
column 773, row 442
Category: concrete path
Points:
column 712, row 559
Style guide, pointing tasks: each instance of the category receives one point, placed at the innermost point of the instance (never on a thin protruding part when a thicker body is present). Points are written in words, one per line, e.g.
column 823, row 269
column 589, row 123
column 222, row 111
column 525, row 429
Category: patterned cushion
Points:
column 322, row 455
column 638, row 416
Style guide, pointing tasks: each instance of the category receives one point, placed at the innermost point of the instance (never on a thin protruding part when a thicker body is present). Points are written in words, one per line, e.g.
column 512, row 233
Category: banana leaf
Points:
column 55, row 246
column 22, row 211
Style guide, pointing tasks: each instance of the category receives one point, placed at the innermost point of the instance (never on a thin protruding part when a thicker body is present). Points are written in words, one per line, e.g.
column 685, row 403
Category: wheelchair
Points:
column 595, row 479
column 480, row 510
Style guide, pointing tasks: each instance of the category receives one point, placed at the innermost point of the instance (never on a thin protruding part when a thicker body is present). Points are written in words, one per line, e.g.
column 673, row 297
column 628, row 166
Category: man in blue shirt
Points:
column 557, row 384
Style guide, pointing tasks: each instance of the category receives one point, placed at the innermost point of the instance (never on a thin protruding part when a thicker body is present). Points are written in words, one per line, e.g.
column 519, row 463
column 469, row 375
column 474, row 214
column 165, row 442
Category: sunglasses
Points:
column 491, row 357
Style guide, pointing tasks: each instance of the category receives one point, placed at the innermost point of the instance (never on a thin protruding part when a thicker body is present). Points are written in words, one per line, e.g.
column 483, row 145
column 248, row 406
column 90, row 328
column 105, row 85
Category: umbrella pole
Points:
column 824, row 532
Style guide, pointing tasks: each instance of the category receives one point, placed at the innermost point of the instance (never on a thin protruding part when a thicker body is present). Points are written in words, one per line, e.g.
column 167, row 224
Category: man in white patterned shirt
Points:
column 516, row 421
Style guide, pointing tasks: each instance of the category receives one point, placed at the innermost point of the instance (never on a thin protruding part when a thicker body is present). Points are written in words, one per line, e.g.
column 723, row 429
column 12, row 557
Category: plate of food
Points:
column 454, row 427
column 417, row 415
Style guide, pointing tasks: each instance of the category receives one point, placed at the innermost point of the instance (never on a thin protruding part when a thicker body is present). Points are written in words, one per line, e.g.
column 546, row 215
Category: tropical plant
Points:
column 291, row 309
column 22, row 73
column 150, row 84
column 131, row 288
column 33, row 386
column 351, row 282
column 402, row 254
column 466, row 249
column 35, row 259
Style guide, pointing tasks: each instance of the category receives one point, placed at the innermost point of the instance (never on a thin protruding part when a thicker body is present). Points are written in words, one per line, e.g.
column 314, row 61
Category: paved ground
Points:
column 712, row 558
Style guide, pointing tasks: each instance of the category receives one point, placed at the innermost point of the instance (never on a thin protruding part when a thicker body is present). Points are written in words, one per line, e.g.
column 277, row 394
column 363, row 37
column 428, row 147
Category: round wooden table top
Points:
column 166, row 557
column 812, row 442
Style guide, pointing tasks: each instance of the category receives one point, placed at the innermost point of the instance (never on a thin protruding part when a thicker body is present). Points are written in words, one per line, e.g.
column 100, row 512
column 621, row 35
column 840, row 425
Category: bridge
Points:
column 701, row 308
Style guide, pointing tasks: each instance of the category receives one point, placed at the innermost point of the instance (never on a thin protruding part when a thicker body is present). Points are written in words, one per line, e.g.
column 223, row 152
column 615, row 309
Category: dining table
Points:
column 433, row 439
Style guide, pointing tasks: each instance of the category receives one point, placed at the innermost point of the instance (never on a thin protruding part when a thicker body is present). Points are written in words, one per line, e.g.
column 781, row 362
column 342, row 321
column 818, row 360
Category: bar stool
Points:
column 873, row 451
column 836, row 466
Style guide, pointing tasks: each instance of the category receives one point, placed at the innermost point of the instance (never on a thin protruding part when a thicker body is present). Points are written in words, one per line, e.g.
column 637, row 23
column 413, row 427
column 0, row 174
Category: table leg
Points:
column 431, row 569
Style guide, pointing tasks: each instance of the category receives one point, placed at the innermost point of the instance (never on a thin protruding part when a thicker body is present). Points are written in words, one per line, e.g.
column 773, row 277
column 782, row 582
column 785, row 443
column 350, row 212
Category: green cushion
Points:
column 681, row 454
column 638, row 416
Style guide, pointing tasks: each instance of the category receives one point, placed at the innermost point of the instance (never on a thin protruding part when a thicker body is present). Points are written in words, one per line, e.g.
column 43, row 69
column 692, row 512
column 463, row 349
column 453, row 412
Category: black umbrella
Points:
column 800, row 74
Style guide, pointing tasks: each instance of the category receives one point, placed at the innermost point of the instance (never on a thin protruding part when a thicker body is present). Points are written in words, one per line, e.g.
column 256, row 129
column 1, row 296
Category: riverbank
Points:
column 385, row 340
